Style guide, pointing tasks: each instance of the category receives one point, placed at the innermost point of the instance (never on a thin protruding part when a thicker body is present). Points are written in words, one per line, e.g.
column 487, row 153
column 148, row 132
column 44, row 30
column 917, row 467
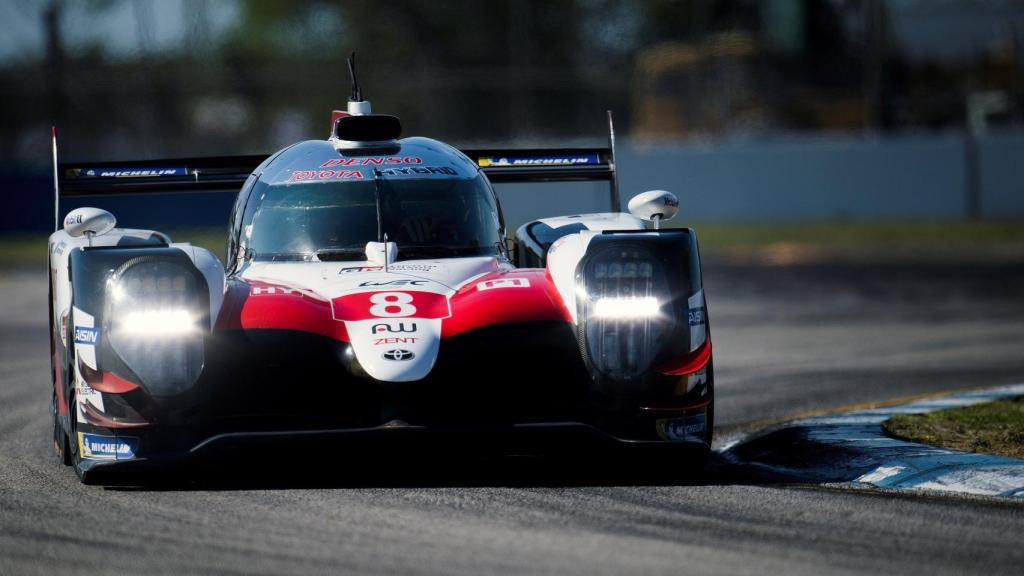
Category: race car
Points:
column 370, row 292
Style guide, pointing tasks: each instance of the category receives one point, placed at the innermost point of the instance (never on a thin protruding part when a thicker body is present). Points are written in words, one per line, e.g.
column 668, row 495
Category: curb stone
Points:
column 852, row 447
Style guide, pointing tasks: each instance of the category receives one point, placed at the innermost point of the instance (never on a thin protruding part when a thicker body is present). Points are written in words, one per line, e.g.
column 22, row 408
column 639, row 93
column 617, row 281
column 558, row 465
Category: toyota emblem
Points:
column 398, row 355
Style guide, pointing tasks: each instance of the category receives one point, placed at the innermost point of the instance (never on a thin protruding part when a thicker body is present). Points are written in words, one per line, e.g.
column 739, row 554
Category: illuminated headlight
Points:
column 622, row 326
column 170, row 322
column 157, row 309
column 633, row 307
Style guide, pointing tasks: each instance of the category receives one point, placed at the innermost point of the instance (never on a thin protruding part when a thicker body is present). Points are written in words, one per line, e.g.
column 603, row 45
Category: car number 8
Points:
column 392, row 305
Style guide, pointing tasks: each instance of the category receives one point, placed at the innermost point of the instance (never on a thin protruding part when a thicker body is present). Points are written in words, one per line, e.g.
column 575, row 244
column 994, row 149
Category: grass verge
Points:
column 782, row 243
column 989, row 428
column 779, row 243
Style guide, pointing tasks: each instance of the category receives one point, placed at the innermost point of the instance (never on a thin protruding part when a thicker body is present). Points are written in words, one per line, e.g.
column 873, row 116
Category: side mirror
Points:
column 88, row 221
column 654, row 205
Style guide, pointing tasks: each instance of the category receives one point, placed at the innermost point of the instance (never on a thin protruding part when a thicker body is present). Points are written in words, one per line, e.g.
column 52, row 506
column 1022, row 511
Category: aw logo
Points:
column 402, row 327
column 86, row 335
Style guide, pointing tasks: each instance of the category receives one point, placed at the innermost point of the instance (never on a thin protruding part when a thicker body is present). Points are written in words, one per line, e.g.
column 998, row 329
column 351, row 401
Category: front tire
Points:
column 75, row 454
column 60, row 439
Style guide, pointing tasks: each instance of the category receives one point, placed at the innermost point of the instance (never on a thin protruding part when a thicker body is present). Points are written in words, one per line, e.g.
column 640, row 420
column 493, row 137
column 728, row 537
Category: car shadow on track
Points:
column 432, row 471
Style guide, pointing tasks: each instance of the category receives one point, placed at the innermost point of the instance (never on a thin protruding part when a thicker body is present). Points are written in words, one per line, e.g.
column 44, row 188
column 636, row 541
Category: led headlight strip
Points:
column 156, row 311
column 158, row 322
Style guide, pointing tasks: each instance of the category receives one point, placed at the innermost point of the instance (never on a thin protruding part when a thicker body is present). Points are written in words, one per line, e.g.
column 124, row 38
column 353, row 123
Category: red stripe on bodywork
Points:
column 504, row 300
column 113, row 384
column 262, row 305
column 105, row 381
column 97, row 418
column 688, row 363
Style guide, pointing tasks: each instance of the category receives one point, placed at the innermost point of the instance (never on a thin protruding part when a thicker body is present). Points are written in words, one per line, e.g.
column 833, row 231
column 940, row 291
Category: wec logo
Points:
column 395, row 283
column 86, row 335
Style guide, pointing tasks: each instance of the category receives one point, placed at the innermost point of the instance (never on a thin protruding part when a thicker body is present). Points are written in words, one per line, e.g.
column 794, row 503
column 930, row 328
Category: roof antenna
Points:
column 356, row 105
column 56, row 184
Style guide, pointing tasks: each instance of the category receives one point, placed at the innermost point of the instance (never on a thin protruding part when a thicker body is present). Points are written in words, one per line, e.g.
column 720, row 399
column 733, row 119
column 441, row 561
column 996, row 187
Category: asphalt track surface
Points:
column 787, row 340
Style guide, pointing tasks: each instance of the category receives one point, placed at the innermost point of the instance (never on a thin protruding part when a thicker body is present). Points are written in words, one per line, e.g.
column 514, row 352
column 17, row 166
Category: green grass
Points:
column 990, row 428
column 795, row 242
column 770, row 243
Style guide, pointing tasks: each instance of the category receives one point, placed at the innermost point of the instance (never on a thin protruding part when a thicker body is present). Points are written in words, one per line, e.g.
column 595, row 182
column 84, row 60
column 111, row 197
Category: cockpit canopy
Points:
column 314, row 202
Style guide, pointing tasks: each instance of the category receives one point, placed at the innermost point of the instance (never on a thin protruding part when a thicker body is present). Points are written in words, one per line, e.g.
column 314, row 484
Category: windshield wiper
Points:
column 280, row 256
column 348, row 253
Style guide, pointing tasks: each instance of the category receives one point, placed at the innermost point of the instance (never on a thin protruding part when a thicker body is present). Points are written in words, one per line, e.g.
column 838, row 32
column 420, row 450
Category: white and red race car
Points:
column 369, row 292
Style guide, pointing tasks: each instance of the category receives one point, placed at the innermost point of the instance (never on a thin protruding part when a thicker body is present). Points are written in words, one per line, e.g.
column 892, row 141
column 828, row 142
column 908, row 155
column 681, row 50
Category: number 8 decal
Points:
column 392, row 305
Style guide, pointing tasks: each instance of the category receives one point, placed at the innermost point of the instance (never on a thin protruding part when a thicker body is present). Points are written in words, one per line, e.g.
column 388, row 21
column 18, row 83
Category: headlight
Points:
column 620, row 309
column 157, row 309
column 170, row 322
column 632, row 307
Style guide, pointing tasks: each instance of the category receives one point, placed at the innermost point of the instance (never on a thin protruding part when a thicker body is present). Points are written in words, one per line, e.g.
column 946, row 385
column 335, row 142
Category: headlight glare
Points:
column 156, row 308
column 631, row 307
column 159, row 322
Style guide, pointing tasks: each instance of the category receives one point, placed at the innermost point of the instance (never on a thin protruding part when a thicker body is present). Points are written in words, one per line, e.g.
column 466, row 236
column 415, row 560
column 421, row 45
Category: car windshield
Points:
column 426, row 218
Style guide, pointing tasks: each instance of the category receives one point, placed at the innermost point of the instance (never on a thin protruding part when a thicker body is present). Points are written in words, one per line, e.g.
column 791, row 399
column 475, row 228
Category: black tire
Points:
column 74, row 453
column 60, row 439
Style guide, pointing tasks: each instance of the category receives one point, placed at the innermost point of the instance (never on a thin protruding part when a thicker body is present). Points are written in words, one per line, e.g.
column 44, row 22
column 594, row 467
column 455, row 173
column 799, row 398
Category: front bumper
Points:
column 263, row 453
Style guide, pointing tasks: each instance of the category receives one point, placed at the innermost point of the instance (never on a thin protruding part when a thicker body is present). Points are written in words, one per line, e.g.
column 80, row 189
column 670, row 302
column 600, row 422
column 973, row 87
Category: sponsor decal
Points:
column 130, row 172
column 389, row 327
column 503, row 283
column 574, row 160
column 398, row 355
column 392, row 304
column 682, row 429
column 374, row 161
column 370, row 305
column 86, row 335
column 697, row 316
column 391, row 267
column 58, row 248
column 395, row 340
column 266, row 290
column 395, row 283
column 73, row 219
column 419, row 171
column 99, row 447
column 305, row 175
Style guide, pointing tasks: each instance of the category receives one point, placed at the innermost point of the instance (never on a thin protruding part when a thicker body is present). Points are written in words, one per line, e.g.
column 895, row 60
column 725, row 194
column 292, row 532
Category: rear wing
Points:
column 228, row 173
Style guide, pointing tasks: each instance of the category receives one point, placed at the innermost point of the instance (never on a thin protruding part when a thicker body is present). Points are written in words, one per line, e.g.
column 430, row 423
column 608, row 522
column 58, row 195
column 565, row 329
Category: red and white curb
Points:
column 852, row 447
